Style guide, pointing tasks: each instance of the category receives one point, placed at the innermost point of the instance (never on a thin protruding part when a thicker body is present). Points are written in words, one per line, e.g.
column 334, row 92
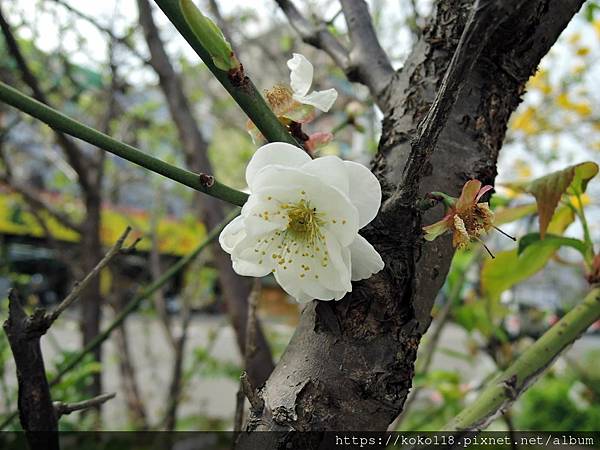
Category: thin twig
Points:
column 367, row 57
column 123, row 40
column 317, row 36
column 132, row 306
column 245, row 388
column 77, row 159
column 34, row 400
column 239, row 86
column 81, row 285
column 176, row 384
column 63, row 409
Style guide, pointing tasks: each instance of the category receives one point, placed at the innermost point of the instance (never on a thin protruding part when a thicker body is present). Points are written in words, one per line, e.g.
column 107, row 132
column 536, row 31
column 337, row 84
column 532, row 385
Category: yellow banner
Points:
column 175, row 237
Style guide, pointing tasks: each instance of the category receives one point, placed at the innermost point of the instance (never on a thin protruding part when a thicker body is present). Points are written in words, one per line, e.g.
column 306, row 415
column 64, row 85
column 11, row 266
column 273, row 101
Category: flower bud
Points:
column 210, row 36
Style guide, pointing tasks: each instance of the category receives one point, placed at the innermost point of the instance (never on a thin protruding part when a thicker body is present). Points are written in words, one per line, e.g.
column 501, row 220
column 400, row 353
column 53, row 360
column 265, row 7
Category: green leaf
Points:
column 210, row 35
column 563, row 217
column 549, row 189
column 514, row 266
column 510, row 268
column 511, row 214
column 550, row 240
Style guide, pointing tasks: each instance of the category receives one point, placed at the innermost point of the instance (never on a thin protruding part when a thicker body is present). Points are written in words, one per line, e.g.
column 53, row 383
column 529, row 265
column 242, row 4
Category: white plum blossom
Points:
column 301, row 223
column 301, row 78
column 294, row 104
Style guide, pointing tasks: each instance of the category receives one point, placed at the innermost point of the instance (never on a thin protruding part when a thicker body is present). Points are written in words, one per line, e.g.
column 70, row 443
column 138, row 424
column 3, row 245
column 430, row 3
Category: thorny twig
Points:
column 81, row 285
column 63, row 409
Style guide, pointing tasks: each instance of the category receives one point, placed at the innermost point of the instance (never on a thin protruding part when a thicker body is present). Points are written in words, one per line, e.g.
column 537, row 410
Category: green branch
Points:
column 242, row 90
column 133, row 305
column 58, row 121
column 504, row 389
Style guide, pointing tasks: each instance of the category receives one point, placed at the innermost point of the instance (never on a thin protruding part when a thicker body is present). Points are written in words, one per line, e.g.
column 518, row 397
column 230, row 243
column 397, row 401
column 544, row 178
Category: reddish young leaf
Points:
column 549, row 189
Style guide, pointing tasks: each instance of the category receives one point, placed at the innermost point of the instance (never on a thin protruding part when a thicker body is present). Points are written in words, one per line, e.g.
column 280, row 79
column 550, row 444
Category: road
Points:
column 211, row 396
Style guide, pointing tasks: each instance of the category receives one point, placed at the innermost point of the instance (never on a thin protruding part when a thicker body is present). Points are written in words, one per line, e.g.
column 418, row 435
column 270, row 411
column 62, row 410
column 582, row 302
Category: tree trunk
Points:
column 91, row 298
column 350, row 364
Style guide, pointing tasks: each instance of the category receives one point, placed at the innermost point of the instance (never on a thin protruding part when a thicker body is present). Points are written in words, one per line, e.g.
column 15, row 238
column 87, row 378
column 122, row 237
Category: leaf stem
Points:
column 61, row 122
column 586, row 230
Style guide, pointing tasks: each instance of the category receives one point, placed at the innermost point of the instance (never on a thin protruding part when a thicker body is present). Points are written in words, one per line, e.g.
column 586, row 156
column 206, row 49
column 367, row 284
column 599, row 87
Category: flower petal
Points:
column 365, row 192
column 438, row 228
column 365, row 259
column 280, row 153
column 301, row 74
column 318, row 291
column 299, row 113
column 468, row 194
column 250, row 256
column 322, row 100
column 318, row 139
column 261, row 212
column 340, row 216
column 307, row 275
column 482, row 191
column 331, row 170
column 232, row 234
column 248, row 268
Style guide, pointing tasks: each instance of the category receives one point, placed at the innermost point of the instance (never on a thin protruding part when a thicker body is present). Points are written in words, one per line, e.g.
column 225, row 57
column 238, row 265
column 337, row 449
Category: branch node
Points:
column 510, row 387
column 206, row 180
column 256, row 402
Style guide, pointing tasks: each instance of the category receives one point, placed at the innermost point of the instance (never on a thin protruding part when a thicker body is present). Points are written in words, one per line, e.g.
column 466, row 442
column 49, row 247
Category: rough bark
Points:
column 350, row 364
column 36, row 412
column 91, row 299
column 235, row 289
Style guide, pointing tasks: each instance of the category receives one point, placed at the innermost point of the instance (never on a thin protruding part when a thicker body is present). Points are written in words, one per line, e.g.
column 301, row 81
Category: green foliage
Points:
column 476, row 316
column 73, row 387
column 442, row 398
column 511, row 267
column 550, row 240
column 591, row 8
column 207, row 365
column 229, row 151
column 561, row 402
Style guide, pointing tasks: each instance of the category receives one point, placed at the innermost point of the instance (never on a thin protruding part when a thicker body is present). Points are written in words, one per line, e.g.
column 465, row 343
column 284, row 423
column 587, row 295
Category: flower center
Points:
column 477, row 219
column 280, row 99
column 304, row 221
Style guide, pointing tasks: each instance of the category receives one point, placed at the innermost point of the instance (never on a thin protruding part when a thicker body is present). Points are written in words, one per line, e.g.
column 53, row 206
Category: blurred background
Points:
column 175, row 363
